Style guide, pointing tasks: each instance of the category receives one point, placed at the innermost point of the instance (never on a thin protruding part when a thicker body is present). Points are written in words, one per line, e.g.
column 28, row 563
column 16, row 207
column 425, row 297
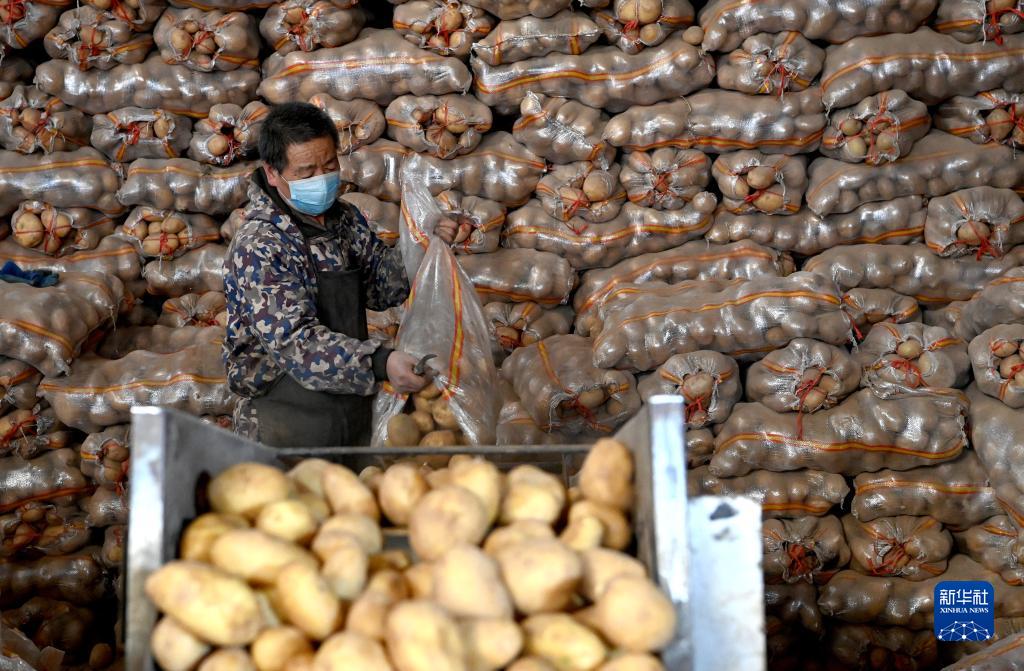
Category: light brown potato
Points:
column 346, row 493
column 337, row 527
column 289, row 520
column 300, row 663
column 513, row 534
column 317, row 505
column 563, row 641
column 421, row 637
column 243, row 489
column 423, row 405
column 428, row 393
column 424, row 421
column 211, row 604
column 371, row 477
column 266, row 598
column 200, row 535
column 440, row 438
column 490, row 644
column 396, row 560
column 635, row 615
column 541, row 575
column 617, row 531
column 228, row 659
column 467, row 584
column 442, row 477
column 532, row 495
column 346, row 567
column 368, row 613
column 174, row 648
column 607, row 474
column 444, row 518
column 531, row 664
column 274, row 647
column 632, row 661
column 402, row 431
column 307, row 601
column 482, row 478
column 255, row 556
column 400, row 488
column 349, row 651
column 601, row 566
column 443, row 415
column 583, row 533
column 309, row 475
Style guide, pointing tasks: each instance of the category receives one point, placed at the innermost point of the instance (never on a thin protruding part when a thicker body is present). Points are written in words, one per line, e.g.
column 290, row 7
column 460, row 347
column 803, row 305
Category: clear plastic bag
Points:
column 91, row 38
column 914, row 548
column 185, row 185
column 81, row 178
column 383, row 326
column 208, row 41
column 709, row 382
column 996, row 545
column 18, row 382
column 582, row 190
column 804, row 376
column 997, row 359
column 912, row 358
column 781, row 495
column 515, row 9
column 448, row 29
column 666, row 178
column 794, row 603
column 805, row 549
column 31, row 120
column 972, row 21
column 24, row 21
column 308, row 25
column 515, row 325
column 981, row 221
column 519, row 275
column 53, row 478
column 1000, row 301
column 562, row 131
column 132, row 133
column 632, row 29
column 751, row 182
column 167, row 234
column 375, row 169
column 867, row 307
column 771, row 64
column 359, row 122
column 990, row 116
column 112, row 257
column 382, row 217
column 105, row 457
column 227, row 134
column 197, row 271
column 878, row 129
column 997, row 435
column 514, row 40
column 443, row 126
column 207, row 309
column 516, row 427
column 58, row 231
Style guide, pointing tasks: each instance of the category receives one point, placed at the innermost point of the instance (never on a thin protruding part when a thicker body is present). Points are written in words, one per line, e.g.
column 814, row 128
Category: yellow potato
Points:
column 400, row 488
column 228, row 659
column 402, row 431
column 243, row 489
column 288, row 520
column 633, row 614
column 371, row 476
column 422, row 637
column 337, row 528
column 424, row 421
column 420, row 580
column 369, row 612
column 632, row 661
column 541, row 575
column 255, row 556
column 200, row 535
column 174, row 648
column 531, row 664
column 316, row 504
column 306, row 601
column 274, row 647
column 309, row 475
column 444, row 518
column 266, row 598
column 532, row 495
column 515, row 533
column 346, row 567
column 467, row 584
column 347, row 494
column 443, row 416
column 480, row 477
column 442, row 477
column 564, row 642
column 490, row 643
column 583, row 533
column 607, row 474
column 601, row 566
column 211, row 604
column 442, row 438
column 617, row 531
column 423, row 405
column 428, row 393
column 301, row 662
column 349, row 651
column 395, row 560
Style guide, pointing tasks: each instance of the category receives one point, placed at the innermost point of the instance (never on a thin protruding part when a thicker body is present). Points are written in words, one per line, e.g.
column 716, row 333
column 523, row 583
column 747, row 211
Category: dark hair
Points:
column 292, row 123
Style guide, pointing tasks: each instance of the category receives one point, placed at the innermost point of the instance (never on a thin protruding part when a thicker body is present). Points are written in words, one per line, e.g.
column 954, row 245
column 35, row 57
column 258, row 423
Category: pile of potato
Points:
column 430, row 422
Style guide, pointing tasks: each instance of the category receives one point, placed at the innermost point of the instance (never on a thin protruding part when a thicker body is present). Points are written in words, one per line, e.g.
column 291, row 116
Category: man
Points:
column 301, row 272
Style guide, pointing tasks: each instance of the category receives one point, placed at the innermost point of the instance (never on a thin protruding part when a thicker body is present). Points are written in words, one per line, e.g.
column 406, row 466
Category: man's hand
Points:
column 401, row 376
column 446, row 229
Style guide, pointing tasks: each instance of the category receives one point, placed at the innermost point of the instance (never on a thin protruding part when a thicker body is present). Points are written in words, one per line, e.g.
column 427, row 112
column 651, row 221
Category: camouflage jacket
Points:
column 271, row 299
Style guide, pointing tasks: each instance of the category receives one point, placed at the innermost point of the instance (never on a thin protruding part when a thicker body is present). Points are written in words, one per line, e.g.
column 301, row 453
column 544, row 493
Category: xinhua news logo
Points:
column 964, row 610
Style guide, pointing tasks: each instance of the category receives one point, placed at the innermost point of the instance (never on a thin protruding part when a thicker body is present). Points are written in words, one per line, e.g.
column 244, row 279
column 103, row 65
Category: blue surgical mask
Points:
column 314, row 195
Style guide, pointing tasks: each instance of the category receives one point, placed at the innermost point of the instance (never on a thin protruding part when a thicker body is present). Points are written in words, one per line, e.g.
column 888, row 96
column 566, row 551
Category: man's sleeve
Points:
column 383, row 272
column 284, row 315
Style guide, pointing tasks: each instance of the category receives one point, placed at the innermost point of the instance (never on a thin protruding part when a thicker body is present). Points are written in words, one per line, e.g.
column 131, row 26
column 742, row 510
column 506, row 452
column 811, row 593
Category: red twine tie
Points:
column 802, row 390
column 995, row 30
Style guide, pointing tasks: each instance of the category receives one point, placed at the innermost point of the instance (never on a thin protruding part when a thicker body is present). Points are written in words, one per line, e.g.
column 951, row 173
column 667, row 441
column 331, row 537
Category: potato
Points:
column 400, row 488
column 423, row 405
column 442, row 477
column 467, row 584
column 396, row 560
column 444, row 518
column 424, row 421
column 369, row 612
column 583, row 533
column 420, row 580
column 428, row 393
column 274, row 647
column 518, row 532
column 301, row 662
column 371, row 477
column 607, row 474
column 531, row 664
column 255, row 556
column 346, row 568
column 243, row 489
column 349, row 651
column 617, row 531
column 480, row 477
column 317, row 505
column 309, row 475
column 632, row 661
column 361, row 528
column 288, row 520
column 347, row 494
column 532, row 495
column 174, row 648
column 266, row 598
column 443, row 415
column 443, row 438
column 490, row 643
column 564, row 642
column 601, row 566
column 541, row 575
column 307, row 601
column 402, row 431
column 201, row 533
column 211, row 604
column 421, row 637
column 228, row 659
column 633, row 614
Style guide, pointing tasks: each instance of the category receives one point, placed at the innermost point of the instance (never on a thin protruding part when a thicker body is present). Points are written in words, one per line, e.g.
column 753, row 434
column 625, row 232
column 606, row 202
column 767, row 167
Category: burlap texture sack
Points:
column 771, row 64
column 562, row 131
column 990, row 116
column 307, row 25
column 448, row 29
column 208, row 41
column 805, row 549
column 709, row 382
column 910, row 358
column 997, row 359
column 58, row 231
column 131, row 133
column 185, row 185
column 530, row 37
column 914, row 548
column 359, row 122
column 443, row 126
column 792, row 494
column 804, row 376
column 751, row 182
column 878, row 129
column 666, row 178
column 981, row 221
column 633, row 27
column 582, row 190
column 519, row 275
column 81, row 178
column 996, row 545
column 91, row 38
column 197, row 271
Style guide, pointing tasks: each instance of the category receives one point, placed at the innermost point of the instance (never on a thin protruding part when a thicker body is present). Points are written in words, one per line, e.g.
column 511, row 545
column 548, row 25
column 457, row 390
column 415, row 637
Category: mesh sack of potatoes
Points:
column 101, row 392
column 448, row 28
column 197, row 271
column 929, row 66
column 105, row 456
column 582, row 190
column 770, row 64
column 479, row 221
column 517, row 9
column 863, row 433
column 562, row 390
column 979, row 221
column 907, row 358
column 142, row 15
column 461, row 404
column 379, row 66
column 383, row 326
column 520, row 275
column 207, row 309
column 78, row 578
column 997, row 359
column 996, row 545
column 14, row 71
column 997, row 435
column 752, row 182
column 443, row 126
column 1003, row 655
column 636, row 230
column 530, row 37
column 781, row 495
column 57, row 531
column 894, row 222
column 131, row 133
column 867, row 307
column 307, row 25
column 666, row 178
column 375, row 169
column 804, row 376
column 696, row 260
column 515, row 325
column 709, row 382
column 721, row 121
column 207, row 41
column 990, row 116
column 635, row 25
column 24, row 21
column 156, row 339
column 862, row 645
column 91, row 38
column 18, row 382
column 602, row 77
column 794, row 604
column 878, row 129
column 165, row 233
column 112, row 257
column 54, row 477
column 516, row 427
column 81, row 178
column 31, row 120
column 46, row 327
column 227, row 134
column 744, row 320
column 914, row 548
column 29, row 432
column 359, row 122
column 106, row 507
column 805, row 549
column 562, row 131
column 58, row 231
column 233, row 222
column 185, row 185
column 727, row 23
column 1000, row 301
column 151, row 84
column 973, row 21
column 382, row 217
column 232, row 5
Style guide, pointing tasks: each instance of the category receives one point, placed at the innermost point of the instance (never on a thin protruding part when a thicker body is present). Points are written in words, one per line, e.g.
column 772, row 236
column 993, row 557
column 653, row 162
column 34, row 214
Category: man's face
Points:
column 309, row 159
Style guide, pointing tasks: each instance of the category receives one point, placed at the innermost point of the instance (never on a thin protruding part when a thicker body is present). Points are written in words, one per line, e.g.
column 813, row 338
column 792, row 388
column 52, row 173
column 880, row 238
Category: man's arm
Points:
column 382, row 269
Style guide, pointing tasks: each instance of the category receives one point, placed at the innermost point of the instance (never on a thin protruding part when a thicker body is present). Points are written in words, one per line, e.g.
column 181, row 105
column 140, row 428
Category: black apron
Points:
column 289, row 415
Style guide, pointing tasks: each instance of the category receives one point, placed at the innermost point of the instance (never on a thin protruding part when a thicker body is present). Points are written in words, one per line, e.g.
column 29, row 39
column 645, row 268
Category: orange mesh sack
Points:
column 229, row 133
column 520, row 275
column 307, row 25
column 131, row 133
column 31, row 120
column 91, row 38
column 997, row 435
column 582, row 190
column 563, row 391
column 754, row 182
column 792, row 494
column 997, row 359
column 990, row 116
column 665, row 179
column 514, row 40
column 81, row 178
column 444, row 318
column 58, row 231
column 805, row 549
column 804, row 376
column 709, row 382
column 515, row 325
column 771, row 64
column 165, row 233
column 914, row 548
column 970, row 21
column 996, row 545
column 443, row 126
column 197, row 271
column 1000, row 301
column 381, row 216
column 878, row 129
column 910, row 358
column 18, row 382
column 359, row 122
column 195, row 310
column 185, row 185
column 112, row 257
column 208, row 41
column 562, row 131
column 634, row 26
column 867, row 307
column 24, row 21
column 980, row 221
column 448, row 28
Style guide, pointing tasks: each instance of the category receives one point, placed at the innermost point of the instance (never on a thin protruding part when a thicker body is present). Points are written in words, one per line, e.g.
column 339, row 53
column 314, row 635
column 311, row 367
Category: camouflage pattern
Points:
column 271, row 291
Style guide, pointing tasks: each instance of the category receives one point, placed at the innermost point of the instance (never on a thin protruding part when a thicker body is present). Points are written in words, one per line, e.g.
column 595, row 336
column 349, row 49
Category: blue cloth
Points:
column 12, row 272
